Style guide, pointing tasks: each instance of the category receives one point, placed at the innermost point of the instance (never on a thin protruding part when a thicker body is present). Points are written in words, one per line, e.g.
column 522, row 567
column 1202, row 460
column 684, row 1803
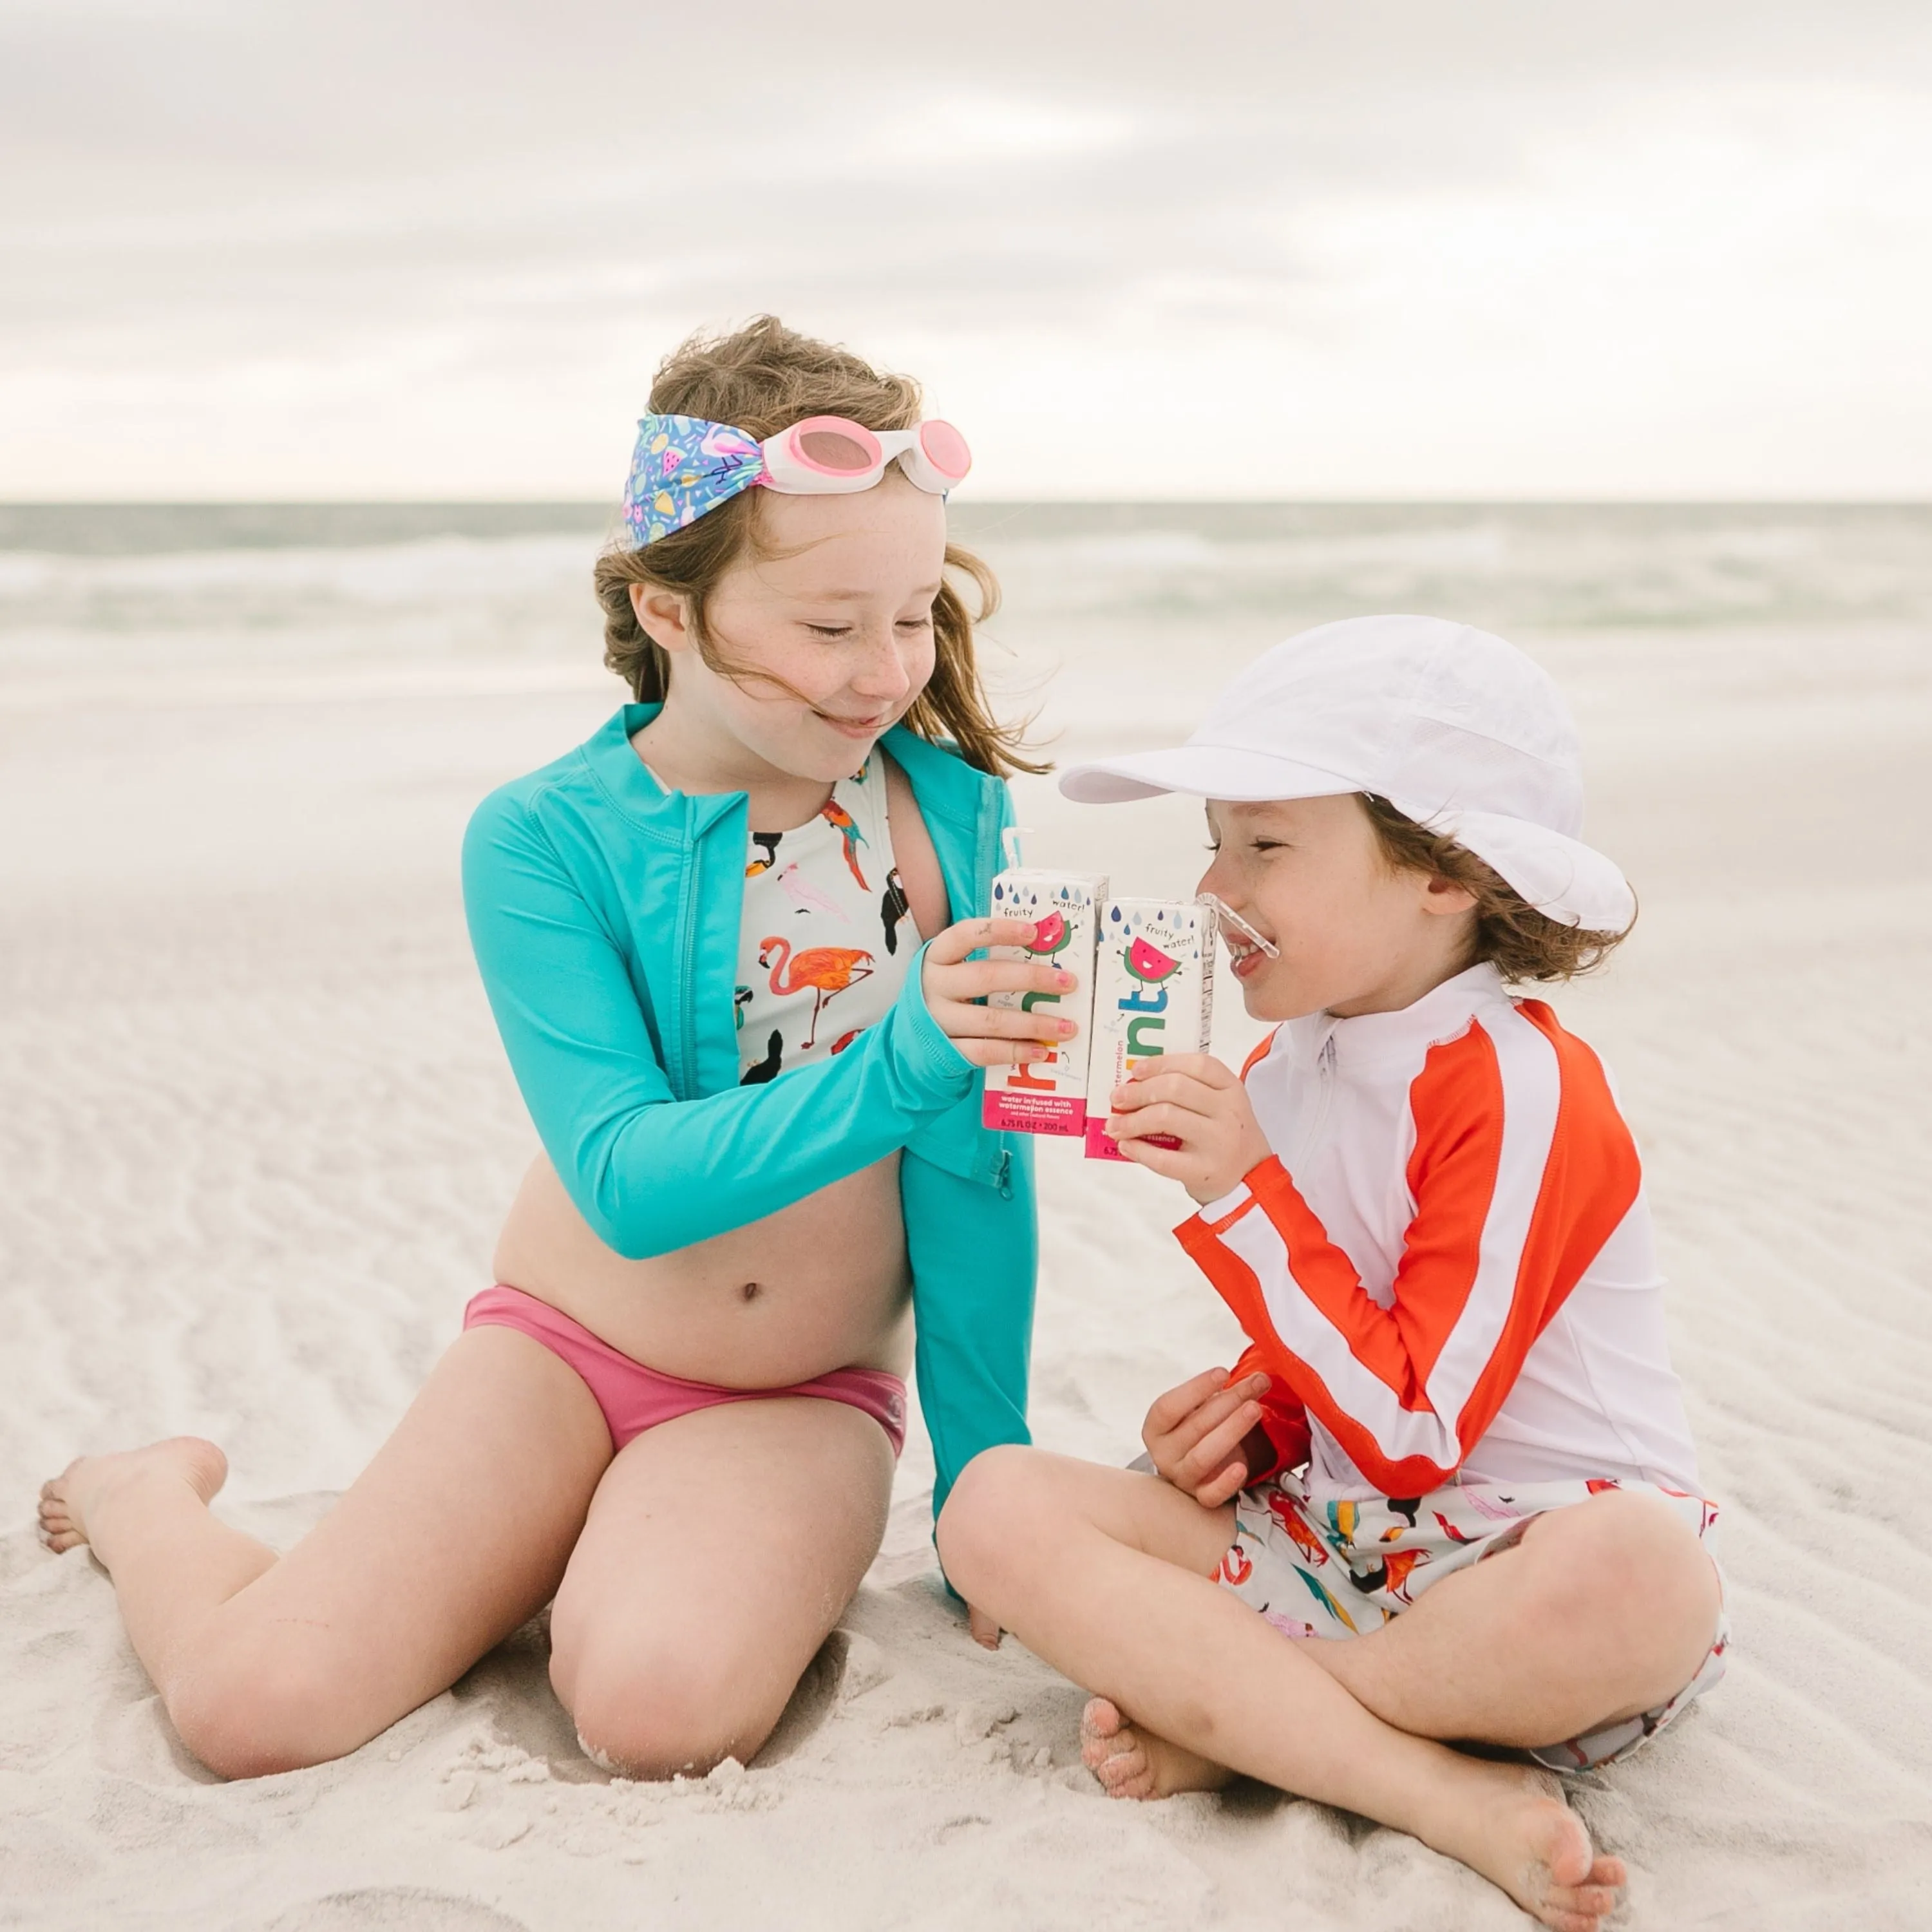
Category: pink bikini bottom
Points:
column 634, row 1398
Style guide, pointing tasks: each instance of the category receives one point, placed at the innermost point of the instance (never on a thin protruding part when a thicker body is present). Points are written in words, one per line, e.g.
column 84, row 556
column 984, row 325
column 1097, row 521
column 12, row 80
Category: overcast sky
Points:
column 1411, row 248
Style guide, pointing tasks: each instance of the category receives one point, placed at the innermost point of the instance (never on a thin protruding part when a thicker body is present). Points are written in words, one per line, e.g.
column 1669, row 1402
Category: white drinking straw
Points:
column 1227, row 912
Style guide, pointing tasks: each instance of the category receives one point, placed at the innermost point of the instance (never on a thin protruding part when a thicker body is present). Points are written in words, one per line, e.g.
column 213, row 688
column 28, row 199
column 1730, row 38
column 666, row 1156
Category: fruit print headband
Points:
column 684, row 466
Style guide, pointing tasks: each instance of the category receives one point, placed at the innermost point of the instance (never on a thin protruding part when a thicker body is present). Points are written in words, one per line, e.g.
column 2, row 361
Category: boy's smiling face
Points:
column 1356, row 936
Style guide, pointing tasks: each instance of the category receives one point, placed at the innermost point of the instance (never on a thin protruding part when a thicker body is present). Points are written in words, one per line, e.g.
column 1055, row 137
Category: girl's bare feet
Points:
column 76, row 1493
column 1131, row 1763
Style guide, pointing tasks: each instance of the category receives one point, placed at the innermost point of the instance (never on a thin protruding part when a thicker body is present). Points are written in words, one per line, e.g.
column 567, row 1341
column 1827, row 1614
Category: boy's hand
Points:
column 955, row 987
column 1196, row 1433
column 1194, row 1100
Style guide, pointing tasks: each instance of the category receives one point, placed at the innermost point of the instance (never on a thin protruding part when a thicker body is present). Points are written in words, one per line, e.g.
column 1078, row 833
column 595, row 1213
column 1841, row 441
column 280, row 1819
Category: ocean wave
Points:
column 294, row 589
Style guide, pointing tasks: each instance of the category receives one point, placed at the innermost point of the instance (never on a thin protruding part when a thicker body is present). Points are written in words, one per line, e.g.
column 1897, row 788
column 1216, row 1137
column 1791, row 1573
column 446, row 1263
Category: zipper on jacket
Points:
column 1310, row 1136
column 986, row 843
column 687, row 962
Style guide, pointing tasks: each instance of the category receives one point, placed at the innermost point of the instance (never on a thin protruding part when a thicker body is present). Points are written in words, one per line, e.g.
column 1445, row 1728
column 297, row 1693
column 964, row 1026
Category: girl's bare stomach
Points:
column 823, row 1284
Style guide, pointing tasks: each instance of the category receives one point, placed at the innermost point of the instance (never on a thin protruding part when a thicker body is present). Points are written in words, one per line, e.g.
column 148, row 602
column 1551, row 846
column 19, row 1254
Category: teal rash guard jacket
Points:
column 604, row 916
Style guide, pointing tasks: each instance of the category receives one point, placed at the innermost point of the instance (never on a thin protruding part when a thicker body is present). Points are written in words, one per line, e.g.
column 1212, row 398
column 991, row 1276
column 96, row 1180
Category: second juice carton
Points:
column 1153, row 993
column 1048, row 1095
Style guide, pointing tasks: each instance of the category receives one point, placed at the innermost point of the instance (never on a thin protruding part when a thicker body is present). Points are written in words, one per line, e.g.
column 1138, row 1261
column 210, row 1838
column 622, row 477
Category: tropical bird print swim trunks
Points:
column 1340, row 1568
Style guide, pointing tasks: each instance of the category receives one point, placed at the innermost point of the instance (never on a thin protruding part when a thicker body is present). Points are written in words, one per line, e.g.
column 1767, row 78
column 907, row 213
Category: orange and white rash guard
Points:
column 1447, row 1265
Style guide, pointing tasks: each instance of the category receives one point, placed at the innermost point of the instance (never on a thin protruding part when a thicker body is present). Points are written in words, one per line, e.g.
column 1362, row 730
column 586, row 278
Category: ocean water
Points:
column 244, row 601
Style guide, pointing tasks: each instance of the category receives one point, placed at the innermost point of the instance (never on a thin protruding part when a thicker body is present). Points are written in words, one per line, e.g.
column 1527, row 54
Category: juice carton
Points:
column 1153, row 993
column 1048, row 1095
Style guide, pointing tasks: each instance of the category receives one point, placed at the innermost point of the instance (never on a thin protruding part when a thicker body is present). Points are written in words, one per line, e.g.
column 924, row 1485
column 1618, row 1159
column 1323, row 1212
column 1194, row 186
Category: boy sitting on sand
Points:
column 1455, row 1440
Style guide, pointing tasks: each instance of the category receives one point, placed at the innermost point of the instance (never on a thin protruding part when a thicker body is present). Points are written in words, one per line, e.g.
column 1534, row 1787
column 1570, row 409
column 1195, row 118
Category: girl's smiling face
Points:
column 825, row 630
column 1356, row 935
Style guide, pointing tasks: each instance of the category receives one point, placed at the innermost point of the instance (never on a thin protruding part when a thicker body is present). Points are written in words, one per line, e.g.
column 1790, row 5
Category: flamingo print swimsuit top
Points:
column 825, row 933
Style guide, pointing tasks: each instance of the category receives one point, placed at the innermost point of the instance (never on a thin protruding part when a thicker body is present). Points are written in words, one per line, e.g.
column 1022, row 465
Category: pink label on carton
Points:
column 1101, row 1145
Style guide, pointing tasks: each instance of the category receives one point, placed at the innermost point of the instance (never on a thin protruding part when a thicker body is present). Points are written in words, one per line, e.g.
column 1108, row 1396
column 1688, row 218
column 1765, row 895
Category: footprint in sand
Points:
column 391, row 1909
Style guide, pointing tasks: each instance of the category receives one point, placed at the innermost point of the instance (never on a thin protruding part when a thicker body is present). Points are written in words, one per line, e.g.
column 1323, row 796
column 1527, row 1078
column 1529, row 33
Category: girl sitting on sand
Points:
column 1456, row 1444
column 701, row 931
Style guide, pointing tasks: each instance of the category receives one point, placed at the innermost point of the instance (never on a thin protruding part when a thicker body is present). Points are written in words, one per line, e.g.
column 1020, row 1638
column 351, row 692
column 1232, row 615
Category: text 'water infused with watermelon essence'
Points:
column 1153, row 993
column 1048, row 1095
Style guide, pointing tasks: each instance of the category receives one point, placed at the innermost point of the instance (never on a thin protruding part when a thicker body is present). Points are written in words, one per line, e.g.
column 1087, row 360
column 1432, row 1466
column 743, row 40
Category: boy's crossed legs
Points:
column 1602, row 1611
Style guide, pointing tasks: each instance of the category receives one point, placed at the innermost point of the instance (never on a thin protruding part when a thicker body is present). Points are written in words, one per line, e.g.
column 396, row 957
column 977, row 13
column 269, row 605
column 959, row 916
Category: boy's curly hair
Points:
column 761, row 378
column 1523, row 945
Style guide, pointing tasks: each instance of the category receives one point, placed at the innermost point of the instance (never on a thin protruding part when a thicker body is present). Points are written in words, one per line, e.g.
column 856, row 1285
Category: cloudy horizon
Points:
column 417, row 251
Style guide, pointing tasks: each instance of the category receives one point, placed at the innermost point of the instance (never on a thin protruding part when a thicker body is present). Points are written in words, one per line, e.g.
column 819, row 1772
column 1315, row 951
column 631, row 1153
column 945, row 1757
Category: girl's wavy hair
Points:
column 761, row 378
column 1521, row 943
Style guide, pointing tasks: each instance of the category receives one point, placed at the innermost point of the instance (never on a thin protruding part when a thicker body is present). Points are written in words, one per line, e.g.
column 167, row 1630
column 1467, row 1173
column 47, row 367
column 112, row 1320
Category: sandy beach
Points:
column 258, row 1133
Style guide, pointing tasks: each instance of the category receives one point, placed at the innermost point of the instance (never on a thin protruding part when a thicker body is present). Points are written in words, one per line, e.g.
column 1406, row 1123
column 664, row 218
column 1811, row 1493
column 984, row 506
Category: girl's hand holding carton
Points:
column 1013, row 981
column 1045, row 1092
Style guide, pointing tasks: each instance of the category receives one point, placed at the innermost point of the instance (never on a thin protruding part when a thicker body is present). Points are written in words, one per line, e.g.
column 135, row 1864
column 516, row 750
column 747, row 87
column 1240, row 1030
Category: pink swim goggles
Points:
column 684, row 466
column 829, row 455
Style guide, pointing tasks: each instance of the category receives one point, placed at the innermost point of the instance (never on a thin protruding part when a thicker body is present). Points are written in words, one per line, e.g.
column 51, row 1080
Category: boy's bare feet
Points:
column 1131, row 1763
column 1519, row 1834
column 76, row 1495
column 1527, row 1841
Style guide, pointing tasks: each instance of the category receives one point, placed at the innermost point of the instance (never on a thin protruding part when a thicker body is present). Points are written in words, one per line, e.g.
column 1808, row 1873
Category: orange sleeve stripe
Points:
column 1240, row 1287
column 1328, row 1281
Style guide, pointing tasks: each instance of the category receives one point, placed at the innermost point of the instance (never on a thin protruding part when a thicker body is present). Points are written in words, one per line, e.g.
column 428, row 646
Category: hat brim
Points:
column 1563, row 878
column 1201, row 771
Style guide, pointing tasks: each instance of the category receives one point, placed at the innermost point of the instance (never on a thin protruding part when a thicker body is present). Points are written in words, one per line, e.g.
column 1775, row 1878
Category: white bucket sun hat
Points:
column 1456, row 729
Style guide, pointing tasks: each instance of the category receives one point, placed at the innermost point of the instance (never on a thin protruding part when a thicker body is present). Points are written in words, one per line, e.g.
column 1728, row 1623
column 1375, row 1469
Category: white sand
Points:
column 257, row 1134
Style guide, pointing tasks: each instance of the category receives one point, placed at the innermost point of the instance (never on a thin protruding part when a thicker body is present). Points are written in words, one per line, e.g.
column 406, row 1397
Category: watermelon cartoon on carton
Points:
column 1148, row 964
column 1051, row 935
